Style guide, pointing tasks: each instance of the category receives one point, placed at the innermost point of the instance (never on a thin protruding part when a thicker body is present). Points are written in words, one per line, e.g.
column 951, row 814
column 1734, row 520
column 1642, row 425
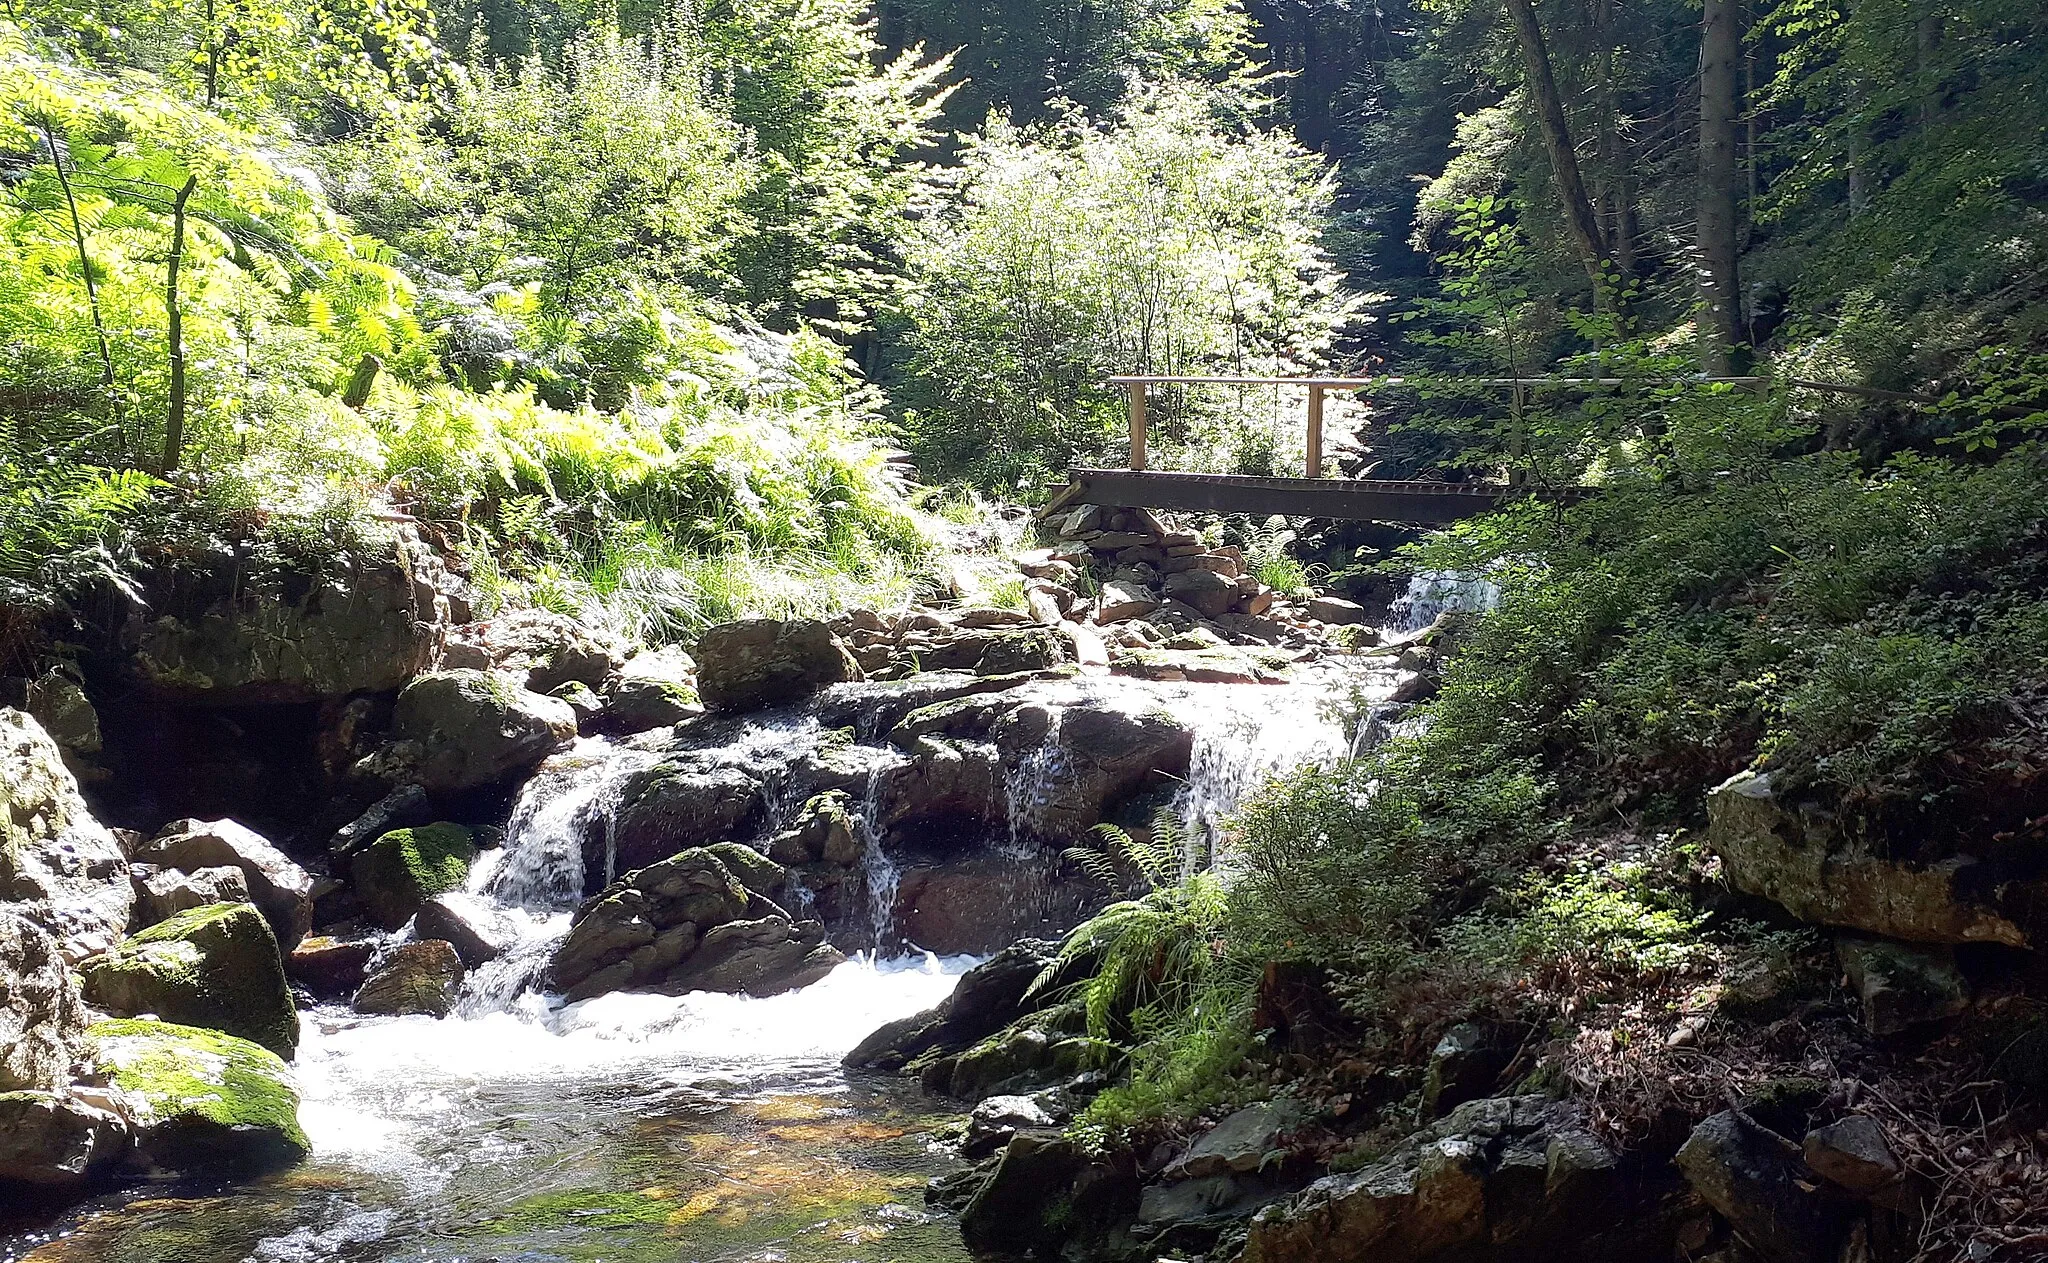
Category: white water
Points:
column 1432, row 593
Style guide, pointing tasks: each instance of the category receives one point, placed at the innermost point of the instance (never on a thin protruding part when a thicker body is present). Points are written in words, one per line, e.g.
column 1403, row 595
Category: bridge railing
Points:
column 1140, row 388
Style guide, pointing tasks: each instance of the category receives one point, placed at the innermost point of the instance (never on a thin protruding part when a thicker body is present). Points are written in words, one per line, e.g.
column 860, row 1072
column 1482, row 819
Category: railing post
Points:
column 1315, row 431
column 1137, row 425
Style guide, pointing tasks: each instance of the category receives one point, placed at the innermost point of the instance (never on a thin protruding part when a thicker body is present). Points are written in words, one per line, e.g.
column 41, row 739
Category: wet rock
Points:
column 1044, row 1192
column 1795, row 855
column 330, row 967
column 760, row 957
column 1215, row 1202
column 980, row 903
column 758, row 662
column 585, row 703
column 217, row 967
column 1087, row 758
column 162, row 893
column 1902, row 985
column 1208, row 592
column 1751, row 1179
column 1200, row 666
column 458, row 730
column 53, row 1140
column 1854, row 1154
column 1032, row 649
column 652, row 690
column 60, row 867
column 987, row 998
column 478, row 932
column 42, row 1019
column 1506, row 1178
column 199, row 1101
column 367, row 628
column 419, row 978
column 687, row 923
column 1243, row 1142
column 755, row 871
column 995, row 1120
column 1337, row 611
column 405, row 867
column 823, row 833
column 401, row 808
column 547, row 650
column 681, row 804
column 279, row 887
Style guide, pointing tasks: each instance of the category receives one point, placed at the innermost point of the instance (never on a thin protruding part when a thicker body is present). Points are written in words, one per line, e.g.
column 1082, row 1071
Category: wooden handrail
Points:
column 1138, row 386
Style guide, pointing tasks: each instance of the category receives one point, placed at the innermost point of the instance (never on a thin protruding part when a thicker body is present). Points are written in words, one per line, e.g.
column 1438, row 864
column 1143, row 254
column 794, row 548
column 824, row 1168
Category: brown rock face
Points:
column 417, row 978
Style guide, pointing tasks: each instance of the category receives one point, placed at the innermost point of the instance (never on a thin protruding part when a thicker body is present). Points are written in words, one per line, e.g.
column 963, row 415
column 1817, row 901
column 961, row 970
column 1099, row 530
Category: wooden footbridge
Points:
column 1371, row 499
column 1313, row 496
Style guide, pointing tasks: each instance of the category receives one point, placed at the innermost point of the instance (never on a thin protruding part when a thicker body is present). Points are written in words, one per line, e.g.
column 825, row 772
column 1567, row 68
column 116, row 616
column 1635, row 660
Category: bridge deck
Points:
column 1357, row 499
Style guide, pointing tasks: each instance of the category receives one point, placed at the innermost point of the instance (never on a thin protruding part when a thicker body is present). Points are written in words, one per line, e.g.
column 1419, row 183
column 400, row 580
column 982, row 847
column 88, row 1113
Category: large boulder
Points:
column 459, row 730
column 758, row 662
column 1070, row 765
column 655, row 689
column 1758, row 1182
column 545, row 649
column 1044, row 1192
column 367, row 627
column 1500, row 1180
column 1797, row 855
column 475, row 928
column 419, row 978
column 59, row 866
column 55, row 1140
column 216, row 966
column 200, row 1101
column 980, row 903
column 330, row 966
column 676, row 805
column 279, row 887
column 405, row 867
column 687, row 923
column 987, row 998
column 42, row 1018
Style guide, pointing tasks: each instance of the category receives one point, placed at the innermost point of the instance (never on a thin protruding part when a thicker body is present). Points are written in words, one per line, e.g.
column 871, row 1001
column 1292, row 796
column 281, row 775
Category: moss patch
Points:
column 405, row 867
column 216, row 966
column 215, row 1101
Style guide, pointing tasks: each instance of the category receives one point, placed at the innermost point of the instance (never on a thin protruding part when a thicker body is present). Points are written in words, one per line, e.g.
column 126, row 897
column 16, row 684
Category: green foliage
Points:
column 1169, row 243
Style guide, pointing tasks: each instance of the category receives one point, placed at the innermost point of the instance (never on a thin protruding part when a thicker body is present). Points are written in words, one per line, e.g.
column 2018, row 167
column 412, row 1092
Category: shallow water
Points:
column 626, row 1128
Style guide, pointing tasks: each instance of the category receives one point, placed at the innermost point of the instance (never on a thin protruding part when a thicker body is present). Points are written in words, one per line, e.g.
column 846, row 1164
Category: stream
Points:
column 631, row 1126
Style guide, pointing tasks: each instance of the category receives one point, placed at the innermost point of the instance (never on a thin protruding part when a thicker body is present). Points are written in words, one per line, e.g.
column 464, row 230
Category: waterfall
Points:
column 882, row 874
column 1245, row 736
column 1431, row 593
column 1030, row 786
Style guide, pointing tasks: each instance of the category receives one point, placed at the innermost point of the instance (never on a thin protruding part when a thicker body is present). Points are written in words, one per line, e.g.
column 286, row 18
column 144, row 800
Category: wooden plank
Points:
column 1315, row 432
column 1067, row 495
column 1138, row 389
column 1421, row 503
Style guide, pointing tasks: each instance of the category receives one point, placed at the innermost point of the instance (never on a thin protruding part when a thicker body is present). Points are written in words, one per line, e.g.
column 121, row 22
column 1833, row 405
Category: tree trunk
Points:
column 92, row 291
column 174, row 324
column 1720, row 107
column 1557, row 138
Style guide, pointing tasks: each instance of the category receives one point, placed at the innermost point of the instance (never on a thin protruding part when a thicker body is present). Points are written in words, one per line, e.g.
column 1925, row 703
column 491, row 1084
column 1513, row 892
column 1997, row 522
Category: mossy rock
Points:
column 210, row 1102
column 216, row 966
column 403, row 869
column 755, row 871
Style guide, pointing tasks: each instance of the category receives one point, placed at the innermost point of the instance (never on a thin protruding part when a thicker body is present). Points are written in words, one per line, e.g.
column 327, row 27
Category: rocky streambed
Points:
column 512, row 942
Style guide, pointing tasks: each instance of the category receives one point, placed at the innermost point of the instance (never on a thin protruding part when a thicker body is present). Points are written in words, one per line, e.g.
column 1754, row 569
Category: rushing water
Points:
column 640, row 1127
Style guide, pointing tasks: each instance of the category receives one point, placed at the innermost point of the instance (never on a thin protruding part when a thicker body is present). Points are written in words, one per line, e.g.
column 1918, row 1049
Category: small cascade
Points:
column 1432, row 593
column 1246, row 735
column 1031, row 786
column 883, row 876
column 541, row 867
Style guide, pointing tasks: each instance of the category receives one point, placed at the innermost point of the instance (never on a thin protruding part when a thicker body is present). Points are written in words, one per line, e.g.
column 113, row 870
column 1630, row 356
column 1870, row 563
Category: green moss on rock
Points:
column 406, row 867
column 216, row 966
column 213, row 1102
